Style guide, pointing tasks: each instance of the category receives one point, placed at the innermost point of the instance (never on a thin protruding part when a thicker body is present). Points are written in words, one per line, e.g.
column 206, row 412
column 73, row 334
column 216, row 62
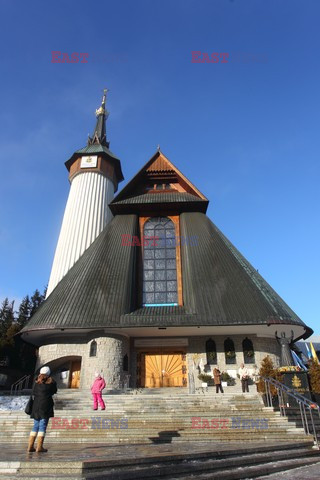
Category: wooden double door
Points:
column 160, row 368
column 75, row 371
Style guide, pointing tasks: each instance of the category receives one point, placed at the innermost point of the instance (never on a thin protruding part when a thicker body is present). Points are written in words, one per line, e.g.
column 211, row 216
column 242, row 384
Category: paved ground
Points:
column 78, row 452
column 72, row 455
column 303, row 473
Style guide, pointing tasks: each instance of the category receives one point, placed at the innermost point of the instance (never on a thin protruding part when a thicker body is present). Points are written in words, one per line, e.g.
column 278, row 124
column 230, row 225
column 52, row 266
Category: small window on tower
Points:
column 93, row 349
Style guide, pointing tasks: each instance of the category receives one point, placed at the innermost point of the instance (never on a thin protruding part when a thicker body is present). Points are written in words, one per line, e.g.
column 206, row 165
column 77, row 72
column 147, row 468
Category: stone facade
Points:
column 108, row 360
column 262, row 347
column 112, row 349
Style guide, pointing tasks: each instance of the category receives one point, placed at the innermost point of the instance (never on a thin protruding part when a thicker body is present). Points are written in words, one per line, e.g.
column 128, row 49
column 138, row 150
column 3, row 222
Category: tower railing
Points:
column 307, row 408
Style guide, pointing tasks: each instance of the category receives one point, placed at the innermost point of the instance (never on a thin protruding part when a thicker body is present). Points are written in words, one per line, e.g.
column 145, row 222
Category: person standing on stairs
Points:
column 98, row 385
column 244, row 377
column 217, row 379
column 42, row 409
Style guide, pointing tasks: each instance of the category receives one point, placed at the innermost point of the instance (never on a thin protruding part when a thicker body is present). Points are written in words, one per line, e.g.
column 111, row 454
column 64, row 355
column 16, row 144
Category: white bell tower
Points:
column 94, row 174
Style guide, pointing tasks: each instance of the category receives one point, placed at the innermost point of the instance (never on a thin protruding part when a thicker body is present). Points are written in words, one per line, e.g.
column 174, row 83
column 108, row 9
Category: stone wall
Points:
column 108, row 360
column 112, row 349
column 262, row 347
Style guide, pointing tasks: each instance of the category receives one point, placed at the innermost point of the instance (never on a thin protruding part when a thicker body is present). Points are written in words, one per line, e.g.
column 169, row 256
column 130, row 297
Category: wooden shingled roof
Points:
column 220, row 287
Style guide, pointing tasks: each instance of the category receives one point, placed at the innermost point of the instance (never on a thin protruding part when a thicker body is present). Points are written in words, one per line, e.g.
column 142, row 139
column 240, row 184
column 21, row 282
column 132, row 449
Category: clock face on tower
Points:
column 89, row 162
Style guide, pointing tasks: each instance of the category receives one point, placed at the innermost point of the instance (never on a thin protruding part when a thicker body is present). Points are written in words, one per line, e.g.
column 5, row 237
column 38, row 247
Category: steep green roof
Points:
column 178, row 201
column 220, row 287
column 97, row 148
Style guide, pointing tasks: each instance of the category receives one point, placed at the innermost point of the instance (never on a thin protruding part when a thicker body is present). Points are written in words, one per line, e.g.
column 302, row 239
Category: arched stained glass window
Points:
column 211, row 352
column 159, row 263
column 229, row 351
column 248, row 351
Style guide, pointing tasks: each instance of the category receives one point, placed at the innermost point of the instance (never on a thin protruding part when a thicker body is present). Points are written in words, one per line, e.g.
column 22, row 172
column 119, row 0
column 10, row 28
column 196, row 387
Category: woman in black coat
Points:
column 44, row 388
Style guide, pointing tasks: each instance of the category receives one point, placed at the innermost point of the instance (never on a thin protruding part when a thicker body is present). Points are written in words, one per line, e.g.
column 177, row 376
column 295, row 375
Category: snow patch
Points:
column 13, row 403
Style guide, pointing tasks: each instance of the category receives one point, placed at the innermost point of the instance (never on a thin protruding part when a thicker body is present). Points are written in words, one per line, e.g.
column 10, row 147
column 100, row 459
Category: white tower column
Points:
column 85, row 216
column 94, row 173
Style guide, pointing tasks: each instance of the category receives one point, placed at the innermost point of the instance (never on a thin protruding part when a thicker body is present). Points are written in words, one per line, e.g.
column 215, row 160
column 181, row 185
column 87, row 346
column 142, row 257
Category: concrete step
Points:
column 154, row 419
column 247, row 472
column 156, row 435
column 219, row 462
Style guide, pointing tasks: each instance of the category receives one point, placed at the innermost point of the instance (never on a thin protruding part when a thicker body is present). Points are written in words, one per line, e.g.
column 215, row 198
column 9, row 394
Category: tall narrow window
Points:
column 159, row 263
column 248, row 351
column 229, row 351
column 211, row 352
column 93, row 349
column 125, row 366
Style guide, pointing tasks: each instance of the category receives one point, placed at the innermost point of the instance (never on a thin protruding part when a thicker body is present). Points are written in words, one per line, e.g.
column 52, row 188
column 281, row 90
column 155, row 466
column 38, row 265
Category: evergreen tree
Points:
column 6, row 320
column 9, row 339
column 314, row 373
column 20, row 354
column 24, row 311
column 7, row 330
column 27, row 352
column 267, row 370
column 36, row 301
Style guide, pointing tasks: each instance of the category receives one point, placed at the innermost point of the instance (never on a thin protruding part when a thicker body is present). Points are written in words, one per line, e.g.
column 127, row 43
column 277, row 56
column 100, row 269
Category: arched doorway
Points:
column 66, row 371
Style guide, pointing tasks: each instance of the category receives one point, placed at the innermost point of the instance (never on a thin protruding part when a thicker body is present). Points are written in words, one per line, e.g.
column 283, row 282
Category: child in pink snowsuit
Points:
column 96, row 390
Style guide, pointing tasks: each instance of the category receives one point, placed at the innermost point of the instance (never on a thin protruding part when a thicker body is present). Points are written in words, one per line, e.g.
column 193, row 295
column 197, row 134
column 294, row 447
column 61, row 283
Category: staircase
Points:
column 294, row 417
column 154, row 418
column 149, row 434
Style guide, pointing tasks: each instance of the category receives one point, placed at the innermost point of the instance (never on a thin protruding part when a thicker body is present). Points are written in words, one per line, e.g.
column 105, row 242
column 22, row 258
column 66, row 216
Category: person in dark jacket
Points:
column 44, row 388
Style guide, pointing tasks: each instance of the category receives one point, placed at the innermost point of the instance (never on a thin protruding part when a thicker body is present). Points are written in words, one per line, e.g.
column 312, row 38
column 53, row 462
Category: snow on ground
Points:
column 13, row 403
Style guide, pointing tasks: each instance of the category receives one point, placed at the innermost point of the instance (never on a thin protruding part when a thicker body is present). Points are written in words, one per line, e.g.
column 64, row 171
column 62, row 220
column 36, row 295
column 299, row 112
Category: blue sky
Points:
column 245, row 132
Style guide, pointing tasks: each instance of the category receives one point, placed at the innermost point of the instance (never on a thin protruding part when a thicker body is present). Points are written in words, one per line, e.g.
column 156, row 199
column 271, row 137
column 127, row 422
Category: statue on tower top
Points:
column 99, row 135
column 101, row 110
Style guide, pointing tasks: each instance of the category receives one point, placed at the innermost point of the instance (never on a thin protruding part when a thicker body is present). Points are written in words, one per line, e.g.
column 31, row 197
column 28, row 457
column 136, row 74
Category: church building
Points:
column 144, row 287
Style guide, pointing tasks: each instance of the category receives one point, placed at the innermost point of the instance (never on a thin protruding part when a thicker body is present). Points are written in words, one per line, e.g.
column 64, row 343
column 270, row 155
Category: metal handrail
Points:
column 14, row 385
column 191, row 383
column 305, row 405
column 23, row 382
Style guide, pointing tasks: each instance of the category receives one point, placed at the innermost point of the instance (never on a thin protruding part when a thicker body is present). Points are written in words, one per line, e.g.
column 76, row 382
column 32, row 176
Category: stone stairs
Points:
column 294, row 417
column 157, row 417
column 219, row 462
